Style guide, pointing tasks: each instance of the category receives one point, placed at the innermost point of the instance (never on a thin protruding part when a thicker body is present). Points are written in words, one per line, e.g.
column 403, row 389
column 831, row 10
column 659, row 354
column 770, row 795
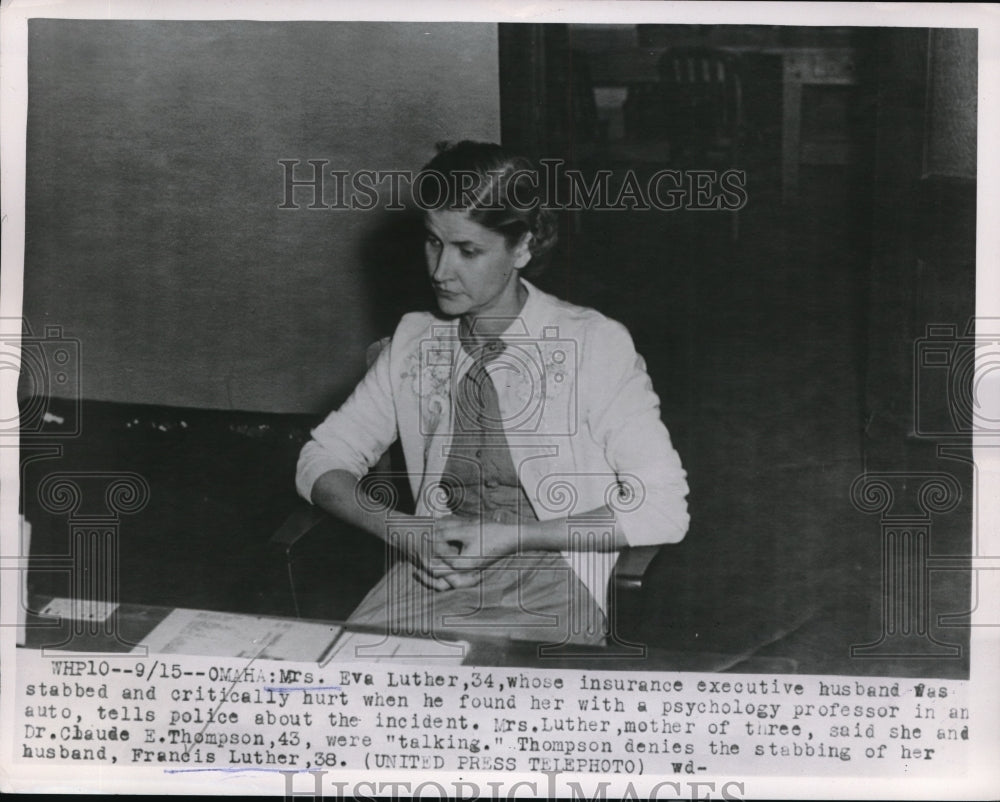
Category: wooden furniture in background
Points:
column 638, row 68
column 702, row 97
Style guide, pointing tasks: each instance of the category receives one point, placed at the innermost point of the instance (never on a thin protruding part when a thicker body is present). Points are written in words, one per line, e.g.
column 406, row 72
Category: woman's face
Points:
column 472, row 270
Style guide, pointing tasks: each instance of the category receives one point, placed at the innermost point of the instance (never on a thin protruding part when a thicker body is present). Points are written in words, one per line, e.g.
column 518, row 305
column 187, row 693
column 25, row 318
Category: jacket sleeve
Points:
column 354, row 437
column 623, row 413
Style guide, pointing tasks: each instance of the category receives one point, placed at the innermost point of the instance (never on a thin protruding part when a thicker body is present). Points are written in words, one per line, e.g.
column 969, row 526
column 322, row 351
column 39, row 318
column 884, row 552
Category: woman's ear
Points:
column 522, row 251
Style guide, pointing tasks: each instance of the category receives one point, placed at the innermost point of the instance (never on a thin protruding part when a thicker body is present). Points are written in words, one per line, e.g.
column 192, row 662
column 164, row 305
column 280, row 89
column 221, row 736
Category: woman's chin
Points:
column 451, row 305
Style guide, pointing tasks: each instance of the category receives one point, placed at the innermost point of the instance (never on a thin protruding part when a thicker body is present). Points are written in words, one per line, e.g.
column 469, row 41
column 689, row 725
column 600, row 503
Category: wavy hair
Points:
column 500, row 190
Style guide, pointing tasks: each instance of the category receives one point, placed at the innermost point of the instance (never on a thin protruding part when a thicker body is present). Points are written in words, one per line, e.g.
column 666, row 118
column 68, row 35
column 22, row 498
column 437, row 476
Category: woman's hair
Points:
column 500, row 190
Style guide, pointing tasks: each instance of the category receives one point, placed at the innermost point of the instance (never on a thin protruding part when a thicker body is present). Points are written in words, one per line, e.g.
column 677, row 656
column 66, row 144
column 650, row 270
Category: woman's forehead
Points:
column 456, row 225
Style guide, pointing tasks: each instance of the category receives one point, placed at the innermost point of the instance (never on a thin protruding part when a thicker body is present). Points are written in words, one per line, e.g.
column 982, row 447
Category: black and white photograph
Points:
column 592, row 394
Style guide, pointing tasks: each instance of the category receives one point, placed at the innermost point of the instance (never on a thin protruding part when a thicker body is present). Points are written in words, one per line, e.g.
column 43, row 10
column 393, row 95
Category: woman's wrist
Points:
column 557, row 534
column 525, row 536
column 502, row 539
column 346, row 497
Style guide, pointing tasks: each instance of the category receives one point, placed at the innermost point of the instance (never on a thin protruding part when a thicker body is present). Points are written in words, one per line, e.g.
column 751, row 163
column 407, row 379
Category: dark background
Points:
column 214, row 328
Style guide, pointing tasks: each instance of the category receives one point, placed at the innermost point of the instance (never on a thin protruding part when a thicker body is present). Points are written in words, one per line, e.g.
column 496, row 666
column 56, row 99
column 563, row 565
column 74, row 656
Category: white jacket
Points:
column 579, row 413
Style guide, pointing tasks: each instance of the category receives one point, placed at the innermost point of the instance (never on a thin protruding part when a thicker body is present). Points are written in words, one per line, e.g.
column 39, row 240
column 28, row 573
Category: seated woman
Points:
column 530, row 429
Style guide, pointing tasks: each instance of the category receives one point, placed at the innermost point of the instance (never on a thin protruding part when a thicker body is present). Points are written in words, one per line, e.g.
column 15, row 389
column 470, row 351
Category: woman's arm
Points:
column 480, row 543
column 355, row 436
column 343, row 495
column 449, row 556
column 337, row 492
column 623, row 416
column 342, row 450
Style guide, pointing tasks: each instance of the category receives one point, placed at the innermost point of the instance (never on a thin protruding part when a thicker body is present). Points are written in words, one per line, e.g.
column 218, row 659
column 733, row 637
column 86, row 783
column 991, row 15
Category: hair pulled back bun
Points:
column 500, row 190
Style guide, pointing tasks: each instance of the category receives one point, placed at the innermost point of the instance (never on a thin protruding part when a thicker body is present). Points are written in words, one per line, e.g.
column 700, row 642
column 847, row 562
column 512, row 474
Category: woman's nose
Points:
column 441, row 265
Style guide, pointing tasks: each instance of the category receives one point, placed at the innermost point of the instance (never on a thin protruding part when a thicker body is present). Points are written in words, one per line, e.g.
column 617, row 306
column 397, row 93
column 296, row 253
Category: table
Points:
column 131, row 623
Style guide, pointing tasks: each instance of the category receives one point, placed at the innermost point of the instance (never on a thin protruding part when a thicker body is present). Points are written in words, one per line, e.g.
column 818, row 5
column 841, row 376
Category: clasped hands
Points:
column 454, row 554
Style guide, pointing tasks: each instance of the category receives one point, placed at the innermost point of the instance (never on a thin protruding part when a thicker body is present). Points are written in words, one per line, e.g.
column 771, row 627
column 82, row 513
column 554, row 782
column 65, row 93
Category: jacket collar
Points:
column 529, row 321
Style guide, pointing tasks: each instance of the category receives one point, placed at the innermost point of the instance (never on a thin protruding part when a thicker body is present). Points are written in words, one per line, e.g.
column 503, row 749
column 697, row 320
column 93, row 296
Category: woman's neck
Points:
column 485, row 326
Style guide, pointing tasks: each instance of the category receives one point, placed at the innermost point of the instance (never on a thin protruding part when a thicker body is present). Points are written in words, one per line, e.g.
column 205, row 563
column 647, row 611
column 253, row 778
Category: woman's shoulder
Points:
column 414, row 326
column 578, row 318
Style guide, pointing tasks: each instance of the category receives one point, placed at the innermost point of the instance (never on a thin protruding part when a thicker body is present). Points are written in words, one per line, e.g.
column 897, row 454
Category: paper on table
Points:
column 232, row 635
column 79, row 609
column 376, row 648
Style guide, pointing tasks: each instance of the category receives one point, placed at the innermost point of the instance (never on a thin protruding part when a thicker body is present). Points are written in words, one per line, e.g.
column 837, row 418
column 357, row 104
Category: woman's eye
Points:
column 433, row 241
column 469, row 253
